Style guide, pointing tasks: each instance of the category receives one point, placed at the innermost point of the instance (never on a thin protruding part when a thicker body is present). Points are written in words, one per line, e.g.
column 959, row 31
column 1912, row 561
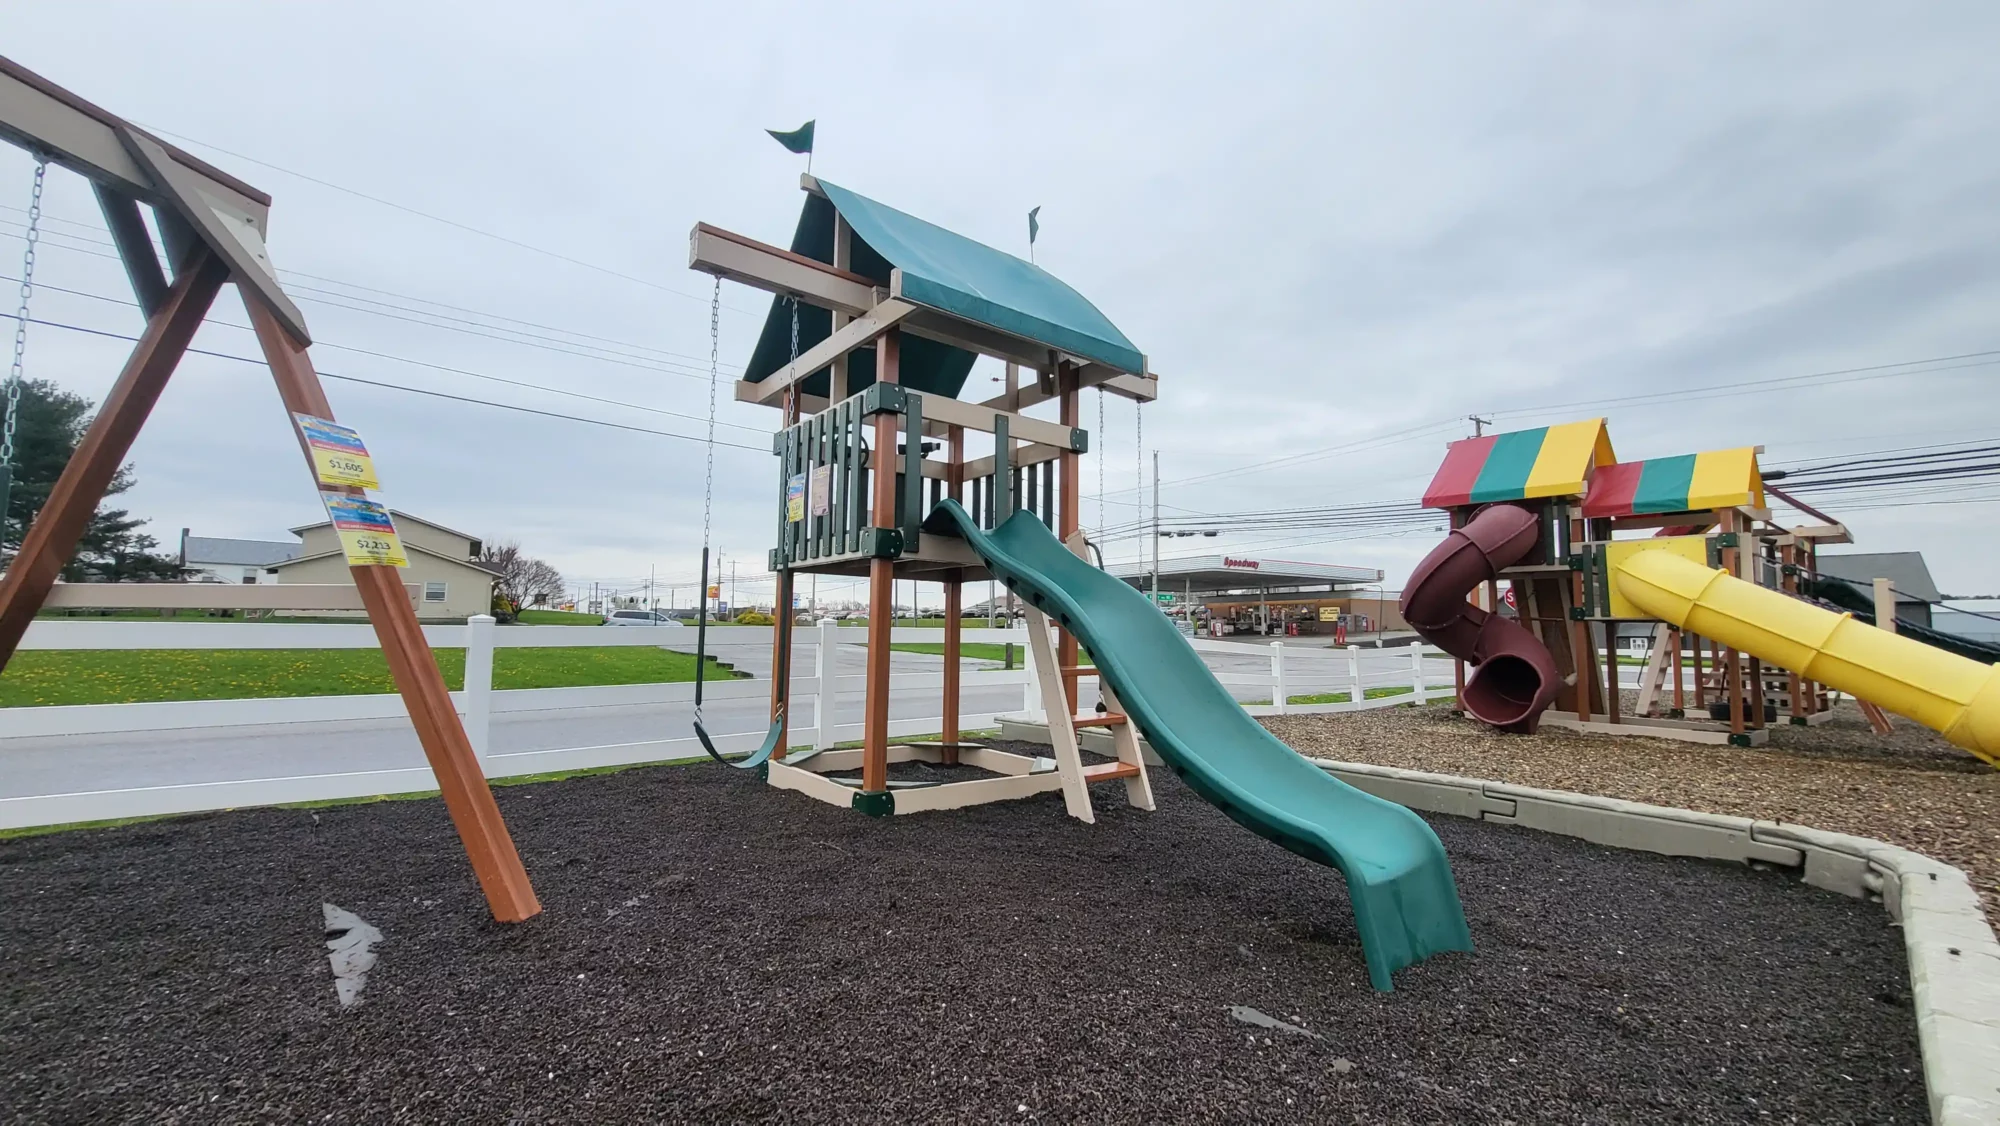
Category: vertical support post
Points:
column 954, row 599
column 1700, row 673
column 478, row 693
column 1731, row 566
column 1885, row 605
column 881, row 582
column 1680, row 702
column 51, row 540
column 1062, row 728
column 1279, row 696
column 1612, row 692
column 797, row 541
column 827, row 677
column 1417, row 671
column 1068, row 521
column 460, row 778
column 1583, row 659
column 1355, row 694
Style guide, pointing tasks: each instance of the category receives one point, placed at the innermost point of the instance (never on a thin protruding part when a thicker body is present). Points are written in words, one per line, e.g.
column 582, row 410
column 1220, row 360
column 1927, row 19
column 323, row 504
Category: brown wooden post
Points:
column 781, row 617
column 954, row 587
column 1680, row 700
column 1067, row 521
column 51, row 540
column 1583, row 655
column 1735, row 660
column 1611, row 690
column 460, row 779
column 881, row 582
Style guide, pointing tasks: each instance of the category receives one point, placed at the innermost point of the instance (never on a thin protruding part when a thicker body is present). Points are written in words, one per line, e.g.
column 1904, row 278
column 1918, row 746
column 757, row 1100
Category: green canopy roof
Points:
column 944, row 271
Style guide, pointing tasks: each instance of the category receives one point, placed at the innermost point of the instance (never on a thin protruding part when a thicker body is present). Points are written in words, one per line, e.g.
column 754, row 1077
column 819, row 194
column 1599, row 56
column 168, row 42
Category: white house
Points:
column 209, row 559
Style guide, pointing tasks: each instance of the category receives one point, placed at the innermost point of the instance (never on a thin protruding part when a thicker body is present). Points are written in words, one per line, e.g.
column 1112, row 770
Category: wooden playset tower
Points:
column 876, row 320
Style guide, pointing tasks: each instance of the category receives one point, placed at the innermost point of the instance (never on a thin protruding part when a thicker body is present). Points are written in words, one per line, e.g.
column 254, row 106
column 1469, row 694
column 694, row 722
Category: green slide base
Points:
column 1406, row 906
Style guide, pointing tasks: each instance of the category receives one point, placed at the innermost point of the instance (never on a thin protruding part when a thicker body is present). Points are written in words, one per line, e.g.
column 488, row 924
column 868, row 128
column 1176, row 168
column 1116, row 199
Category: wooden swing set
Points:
column 213, row 227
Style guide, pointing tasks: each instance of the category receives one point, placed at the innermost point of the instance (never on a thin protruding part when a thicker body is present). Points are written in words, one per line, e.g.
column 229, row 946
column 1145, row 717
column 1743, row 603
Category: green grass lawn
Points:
column 40, row 677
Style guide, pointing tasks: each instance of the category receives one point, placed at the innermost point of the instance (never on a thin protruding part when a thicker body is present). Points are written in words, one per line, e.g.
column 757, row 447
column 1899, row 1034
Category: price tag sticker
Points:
column 367, row 535
column 339, row 455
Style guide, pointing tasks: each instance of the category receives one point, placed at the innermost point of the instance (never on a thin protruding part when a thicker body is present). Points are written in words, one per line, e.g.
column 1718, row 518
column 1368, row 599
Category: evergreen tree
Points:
column 113, row 549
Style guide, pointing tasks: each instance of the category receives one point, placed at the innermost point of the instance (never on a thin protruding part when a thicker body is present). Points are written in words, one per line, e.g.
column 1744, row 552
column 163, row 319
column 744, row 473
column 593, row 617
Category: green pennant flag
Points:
column 799, row 140
column 1034, row 225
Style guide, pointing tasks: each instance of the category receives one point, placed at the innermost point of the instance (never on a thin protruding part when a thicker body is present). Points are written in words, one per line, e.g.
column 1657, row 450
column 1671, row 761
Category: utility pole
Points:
column 1479, row 425
column 652, row 572
column 1156, row 529
column 733, row 609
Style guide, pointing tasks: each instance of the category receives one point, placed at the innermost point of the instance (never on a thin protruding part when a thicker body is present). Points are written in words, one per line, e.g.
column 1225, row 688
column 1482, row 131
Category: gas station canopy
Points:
column 1215, row 574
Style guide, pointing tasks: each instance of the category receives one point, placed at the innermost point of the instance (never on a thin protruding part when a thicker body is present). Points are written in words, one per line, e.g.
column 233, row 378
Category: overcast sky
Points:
column 1337, row 229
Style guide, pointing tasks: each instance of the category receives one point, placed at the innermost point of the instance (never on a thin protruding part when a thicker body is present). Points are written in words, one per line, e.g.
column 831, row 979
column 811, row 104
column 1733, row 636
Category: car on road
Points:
column 642, row 618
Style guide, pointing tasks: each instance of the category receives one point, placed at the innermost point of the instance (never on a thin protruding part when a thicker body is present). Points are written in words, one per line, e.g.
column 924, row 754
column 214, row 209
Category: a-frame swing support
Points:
column 213, row 226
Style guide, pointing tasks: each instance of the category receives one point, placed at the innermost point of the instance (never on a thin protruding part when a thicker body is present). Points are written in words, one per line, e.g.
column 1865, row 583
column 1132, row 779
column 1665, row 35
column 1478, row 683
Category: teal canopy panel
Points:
column 943, row 270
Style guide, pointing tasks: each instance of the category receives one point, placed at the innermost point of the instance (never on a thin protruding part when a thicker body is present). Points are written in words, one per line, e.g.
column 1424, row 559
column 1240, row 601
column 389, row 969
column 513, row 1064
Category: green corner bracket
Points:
column 875, row 805
column 1739, row 740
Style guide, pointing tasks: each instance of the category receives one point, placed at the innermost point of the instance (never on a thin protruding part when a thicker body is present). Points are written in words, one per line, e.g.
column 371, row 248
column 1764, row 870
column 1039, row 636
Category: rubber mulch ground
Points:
column 717, row 951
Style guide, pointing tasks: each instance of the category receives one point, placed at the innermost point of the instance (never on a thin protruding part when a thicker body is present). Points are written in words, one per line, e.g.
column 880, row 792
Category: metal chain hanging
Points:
column 708, row 486
column 15, row 370
column 1101, row 524
column 1138, row 459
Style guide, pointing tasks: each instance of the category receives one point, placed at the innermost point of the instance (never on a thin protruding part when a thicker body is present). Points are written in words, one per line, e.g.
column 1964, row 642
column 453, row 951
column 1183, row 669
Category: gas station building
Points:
column 1232, row 594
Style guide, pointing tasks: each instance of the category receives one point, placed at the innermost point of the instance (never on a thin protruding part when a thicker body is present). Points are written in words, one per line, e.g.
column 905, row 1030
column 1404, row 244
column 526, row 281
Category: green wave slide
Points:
column 1405, row 904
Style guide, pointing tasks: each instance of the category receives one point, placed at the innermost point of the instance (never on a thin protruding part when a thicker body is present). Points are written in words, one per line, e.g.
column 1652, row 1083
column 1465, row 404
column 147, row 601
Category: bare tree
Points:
column 524, row 580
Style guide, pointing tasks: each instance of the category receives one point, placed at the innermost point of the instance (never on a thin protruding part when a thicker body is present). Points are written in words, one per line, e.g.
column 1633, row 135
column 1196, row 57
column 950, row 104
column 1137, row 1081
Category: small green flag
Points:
column 799, row 140
column 1034, row 225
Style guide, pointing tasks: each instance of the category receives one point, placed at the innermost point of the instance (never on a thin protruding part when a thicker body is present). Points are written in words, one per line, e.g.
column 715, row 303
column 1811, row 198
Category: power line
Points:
column 400, row 387
column 467, row 227
column 418, row 363
column 373, row 289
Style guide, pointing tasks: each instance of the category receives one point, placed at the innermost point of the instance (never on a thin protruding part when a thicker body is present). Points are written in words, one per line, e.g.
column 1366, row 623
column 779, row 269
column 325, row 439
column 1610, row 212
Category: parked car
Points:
column 641, row 618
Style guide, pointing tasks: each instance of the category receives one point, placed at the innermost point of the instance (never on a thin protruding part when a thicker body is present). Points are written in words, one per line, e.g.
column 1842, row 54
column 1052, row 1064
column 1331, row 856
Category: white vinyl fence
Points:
column 1266, row 678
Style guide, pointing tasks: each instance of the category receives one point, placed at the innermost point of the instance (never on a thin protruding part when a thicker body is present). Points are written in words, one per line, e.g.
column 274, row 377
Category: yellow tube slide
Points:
column 1958, row 697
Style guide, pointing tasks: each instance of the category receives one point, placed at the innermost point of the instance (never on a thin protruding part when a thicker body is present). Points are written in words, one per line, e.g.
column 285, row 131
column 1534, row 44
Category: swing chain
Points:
column 15, row 370
column 1101, row 522
column 714, row 369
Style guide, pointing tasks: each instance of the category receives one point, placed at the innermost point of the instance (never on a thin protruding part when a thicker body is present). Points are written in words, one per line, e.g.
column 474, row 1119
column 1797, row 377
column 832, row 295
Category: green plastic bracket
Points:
column 882, row 543
column 1800, row 721
column 1726, row 539
column 1739, row 740
column 771, row 560
column 1079, row 441
column 1574, row 562
column 1577, row 614
column 875, row 805
column 883, row 398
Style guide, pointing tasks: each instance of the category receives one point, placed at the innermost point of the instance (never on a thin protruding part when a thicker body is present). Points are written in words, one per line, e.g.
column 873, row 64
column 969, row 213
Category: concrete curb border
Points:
column 1953, row 955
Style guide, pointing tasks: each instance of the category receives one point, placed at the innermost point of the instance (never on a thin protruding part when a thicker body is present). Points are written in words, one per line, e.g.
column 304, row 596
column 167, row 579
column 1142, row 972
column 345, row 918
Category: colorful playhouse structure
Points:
column 1686, row 544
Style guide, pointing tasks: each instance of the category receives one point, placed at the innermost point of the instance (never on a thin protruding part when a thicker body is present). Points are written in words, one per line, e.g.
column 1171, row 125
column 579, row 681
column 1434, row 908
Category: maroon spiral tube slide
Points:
column 1514, row 678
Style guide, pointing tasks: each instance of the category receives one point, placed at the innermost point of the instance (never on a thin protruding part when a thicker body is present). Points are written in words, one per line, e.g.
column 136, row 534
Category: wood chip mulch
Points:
column 1909, row 788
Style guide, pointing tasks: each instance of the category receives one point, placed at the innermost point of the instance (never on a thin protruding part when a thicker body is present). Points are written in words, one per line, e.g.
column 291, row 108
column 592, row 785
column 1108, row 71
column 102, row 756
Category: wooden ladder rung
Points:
column 1104, row 772
column 1110, row 719
column 1078, row 670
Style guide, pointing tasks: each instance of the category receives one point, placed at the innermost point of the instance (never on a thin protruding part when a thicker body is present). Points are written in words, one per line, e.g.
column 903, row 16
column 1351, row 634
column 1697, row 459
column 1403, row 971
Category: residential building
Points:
column 210, row 559
column 1905, row 570
column 444, row 565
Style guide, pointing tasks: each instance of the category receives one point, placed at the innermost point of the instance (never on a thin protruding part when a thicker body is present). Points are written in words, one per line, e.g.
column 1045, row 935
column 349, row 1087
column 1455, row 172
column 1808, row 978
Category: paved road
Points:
column 83, row 763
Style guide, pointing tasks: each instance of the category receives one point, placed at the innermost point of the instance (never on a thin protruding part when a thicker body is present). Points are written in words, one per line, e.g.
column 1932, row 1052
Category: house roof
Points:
column 942, row 270
column 1905, row 571
column 1548, row 461
column 488, row 569
column 1687, row 483
column 397, row 514
column 238, row 553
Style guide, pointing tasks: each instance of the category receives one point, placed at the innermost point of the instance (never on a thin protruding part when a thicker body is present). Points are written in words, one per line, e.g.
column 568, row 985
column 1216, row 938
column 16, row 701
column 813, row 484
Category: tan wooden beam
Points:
column 762, row 266
column 861, row 332
column 209, row 596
